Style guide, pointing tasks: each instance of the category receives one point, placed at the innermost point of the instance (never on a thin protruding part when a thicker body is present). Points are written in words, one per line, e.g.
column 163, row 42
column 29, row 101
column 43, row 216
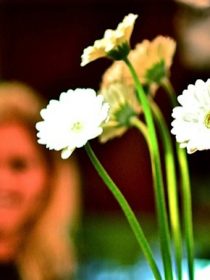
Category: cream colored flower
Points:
column 112, row 40
column 151, row 60
column 191, row 123
column 148, row 54
column 71, row 121
column 123, row 105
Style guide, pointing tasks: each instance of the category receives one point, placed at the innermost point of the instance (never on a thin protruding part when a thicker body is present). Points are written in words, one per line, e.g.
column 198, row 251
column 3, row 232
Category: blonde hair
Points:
column 48, row 252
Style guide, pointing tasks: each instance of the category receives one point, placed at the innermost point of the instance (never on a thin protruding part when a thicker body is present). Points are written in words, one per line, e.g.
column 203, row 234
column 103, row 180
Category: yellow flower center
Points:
column 207, row 120
column 76, row 127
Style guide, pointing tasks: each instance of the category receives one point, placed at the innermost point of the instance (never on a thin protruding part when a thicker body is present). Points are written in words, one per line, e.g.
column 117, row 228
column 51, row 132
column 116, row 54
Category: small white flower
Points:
column 191, row 123
column 69, row 122
column 112, row 40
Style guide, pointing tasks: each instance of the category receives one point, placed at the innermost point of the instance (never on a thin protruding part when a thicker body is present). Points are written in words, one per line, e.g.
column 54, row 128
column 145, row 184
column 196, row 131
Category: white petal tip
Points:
column 67, row 152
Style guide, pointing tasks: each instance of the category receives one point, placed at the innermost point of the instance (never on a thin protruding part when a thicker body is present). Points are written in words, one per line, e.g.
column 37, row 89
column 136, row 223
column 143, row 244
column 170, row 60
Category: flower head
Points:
column 191, row 123
column 123, row 105
column 69, row 122
column 153, row 56
column 151, row 60
column 115, row 43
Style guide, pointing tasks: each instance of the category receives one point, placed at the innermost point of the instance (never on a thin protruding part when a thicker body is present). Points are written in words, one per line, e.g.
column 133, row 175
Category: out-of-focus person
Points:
column 39, row 194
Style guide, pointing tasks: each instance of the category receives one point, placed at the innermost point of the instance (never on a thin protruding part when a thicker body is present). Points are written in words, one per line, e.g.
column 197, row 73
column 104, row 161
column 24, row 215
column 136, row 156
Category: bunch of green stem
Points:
column 172, row 188
column 171, row 181
column 152, row 114
column 185, row 189
column 162, row 216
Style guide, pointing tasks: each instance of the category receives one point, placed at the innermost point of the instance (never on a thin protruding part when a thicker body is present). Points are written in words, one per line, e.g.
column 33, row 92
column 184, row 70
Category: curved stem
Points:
column 158, row 178
column 135, row 121
column 135, row 225
column 185, row 189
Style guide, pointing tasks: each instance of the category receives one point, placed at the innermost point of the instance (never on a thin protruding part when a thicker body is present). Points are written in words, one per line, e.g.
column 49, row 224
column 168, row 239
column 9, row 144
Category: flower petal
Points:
column 191, row 120
column 71, row 121
column 112, row 40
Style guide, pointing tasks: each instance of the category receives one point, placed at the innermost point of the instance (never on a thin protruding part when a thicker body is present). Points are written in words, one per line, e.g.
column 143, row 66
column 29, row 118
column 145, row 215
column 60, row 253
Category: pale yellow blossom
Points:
column 112, row 40
column 144, row 58
column 149, row 53
column 123, row 105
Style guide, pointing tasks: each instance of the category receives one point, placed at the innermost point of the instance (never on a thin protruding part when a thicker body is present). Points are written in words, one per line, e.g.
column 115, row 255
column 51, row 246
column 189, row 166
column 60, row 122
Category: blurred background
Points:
column 41, row 42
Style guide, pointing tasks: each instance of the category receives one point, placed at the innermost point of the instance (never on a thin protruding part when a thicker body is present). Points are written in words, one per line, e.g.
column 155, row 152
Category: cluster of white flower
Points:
column 79, row 115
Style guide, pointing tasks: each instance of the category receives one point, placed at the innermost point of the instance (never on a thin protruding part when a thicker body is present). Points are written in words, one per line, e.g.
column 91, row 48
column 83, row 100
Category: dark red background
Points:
column 41, row 43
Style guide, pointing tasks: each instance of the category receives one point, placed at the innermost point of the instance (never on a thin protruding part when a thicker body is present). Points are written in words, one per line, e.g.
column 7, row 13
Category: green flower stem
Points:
column 186, row 190
column 158, row 178
column 172, row 189
column 171, row 181
column 187, row 209
column 135, row 225
column 166, row 84
column 136, row 122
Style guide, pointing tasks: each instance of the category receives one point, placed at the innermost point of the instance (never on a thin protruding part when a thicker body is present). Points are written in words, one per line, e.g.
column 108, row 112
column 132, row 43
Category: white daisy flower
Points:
column 191, row 123
column 69, row 122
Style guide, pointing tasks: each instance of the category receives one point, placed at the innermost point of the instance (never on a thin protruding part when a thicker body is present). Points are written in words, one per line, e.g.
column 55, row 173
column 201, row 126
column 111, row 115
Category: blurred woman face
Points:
column 23, row 178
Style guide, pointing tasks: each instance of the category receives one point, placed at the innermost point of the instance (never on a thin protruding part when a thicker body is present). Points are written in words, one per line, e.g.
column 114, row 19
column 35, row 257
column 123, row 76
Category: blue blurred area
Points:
column 107, row 249
column 106, row 270
column 97, row 270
